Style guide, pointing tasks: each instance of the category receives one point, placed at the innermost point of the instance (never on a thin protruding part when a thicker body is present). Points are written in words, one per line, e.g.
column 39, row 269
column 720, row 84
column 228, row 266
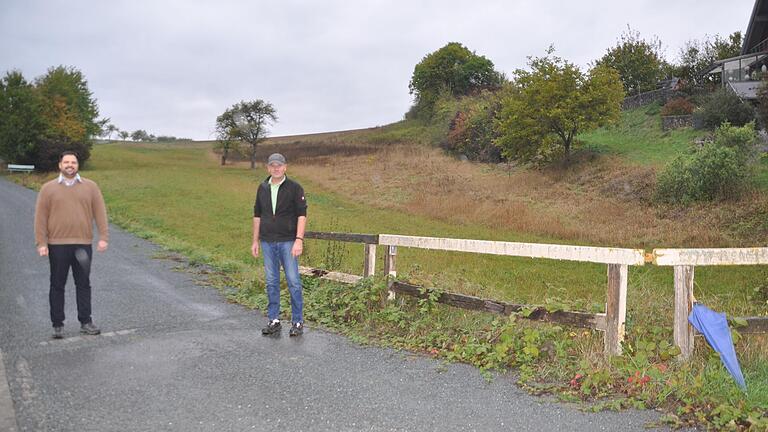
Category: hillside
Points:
column 604, row 198
column 389, row 180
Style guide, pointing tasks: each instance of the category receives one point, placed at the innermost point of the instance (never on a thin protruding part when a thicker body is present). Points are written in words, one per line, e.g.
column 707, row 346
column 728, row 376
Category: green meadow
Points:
column 178, row 195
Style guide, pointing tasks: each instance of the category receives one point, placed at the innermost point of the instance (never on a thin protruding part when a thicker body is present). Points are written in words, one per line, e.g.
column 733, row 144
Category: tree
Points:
column 71, row 109
column 140, row 135
column 22, row 125
column 696, row 56
column 224, row 141
column 639, row 62
column 109, row 129
column 55, row 113
column 123, row 135
column 546, row 107
column 453, row 70
column 246, row 121
column 226, row 146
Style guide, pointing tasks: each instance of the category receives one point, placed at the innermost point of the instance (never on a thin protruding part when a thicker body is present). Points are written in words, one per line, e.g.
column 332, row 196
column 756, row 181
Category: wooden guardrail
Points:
column 683, row 262
column 612, row 322
column 618, row 260
column 369, row 250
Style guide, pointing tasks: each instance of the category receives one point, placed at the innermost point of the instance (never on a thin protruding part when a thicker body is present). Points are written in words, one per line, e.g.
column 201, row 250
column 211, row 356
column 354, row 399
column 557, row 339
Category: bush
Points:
column 472, row 132
column 713, row 172
column 742, row 139
column 722, row 106
column 48, row 150
column 677, row 106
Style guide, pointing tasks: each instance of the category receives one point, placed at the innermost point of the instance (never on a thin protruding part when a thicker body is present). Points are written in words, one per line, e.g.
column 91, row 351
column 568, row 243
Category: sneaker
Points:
column 89, row 329
column 58, row 332
column 271, row 328
column 297, row 329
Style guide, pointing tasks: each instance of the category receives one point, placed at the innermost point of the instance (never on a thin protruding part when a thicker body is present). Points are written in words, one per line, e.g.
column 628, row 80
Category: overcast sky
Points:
column 170, row 67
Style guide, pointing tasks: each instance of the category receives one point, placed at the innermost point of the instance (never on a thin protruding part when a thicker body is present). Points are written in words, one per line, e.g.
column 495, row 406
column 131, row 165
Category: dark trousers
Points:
column 62, row 257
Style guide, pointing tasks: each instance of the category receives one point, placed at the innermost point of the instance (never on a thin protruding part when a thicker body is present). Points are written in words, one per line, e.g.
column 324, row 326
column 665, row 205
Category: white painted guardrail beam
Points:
column 708, row 257
column 601, row 255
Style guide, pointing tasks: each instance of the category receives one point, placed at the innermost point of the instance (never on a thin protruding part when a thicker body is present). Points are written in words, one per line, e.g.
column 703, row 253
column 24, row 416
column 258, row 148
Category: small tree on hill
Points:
column 698, row 55
column 109, row 129
column 246, row 121
column 553, row 102
column 639, row 62
column 225, row 143
column 140, row 135
column 452, row 70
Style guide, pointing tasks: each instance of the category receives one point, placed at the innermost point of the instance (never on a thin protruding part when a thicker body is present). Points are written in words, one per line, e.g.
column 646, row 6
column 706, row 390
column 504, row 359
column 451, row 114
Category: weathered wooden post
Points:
column 683, row 331
column 369, row 260
column 616, row 308
column 390, row 270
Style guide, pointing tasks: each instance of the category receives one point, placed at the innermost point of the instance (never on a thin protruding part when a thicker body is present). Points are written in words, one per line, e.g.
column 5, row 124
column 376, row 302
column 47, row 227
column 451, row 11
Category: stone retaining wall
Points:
column 647, row 98
column 676, row 122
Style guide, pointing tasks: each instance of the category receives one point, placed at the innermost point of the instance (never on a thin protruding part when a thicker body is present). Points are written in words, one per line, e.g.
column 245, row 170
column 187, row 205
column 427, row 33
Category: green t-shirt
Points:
column 274, row 188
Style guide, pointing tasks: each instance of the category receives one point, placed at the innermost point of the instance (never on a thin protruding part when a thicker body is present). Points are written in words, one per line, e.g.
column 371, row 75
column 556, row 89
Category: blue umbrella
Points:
column 714, row 327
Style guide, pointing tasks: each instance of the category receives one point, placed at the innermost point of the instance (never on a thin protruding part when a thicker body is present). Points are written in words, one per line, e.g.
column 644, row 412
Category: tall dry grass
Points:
column 601, row 201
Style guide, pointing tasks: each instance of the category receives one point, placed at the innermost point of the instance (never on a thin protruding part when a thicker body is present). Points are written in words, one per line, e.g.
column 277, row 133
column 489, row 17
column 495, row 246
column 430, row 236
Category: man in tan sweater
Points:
column 64, row 214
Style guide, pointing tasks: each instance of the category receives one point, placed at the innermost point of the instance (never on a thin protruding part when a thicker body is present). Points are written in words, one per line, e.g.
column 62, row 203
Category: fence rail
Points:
column 709, row 257
column 576, row 319
column 531, row 250
column 684, row 261
column 618, row 260
column 343, row 237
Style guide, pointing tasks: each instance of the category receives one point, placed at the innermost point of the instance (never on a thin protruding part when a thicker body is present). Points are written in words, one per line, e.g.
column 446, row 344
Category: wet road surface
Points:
column 175, row 356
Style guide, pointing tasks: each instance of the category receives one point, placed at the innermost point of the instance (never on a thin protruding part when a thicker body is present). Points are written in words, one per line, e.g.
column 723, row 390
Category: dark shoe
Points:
column 271, row 328
column 297, row 329
column 89, row 329
column 58, row 332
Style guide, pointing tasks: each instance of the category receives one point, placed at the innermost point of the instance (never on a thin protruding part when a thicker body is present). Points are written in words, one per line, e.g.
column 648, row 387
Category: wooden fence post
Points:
column 390, row 270
column 683, row 331
column 616, row 308
column 369, row 260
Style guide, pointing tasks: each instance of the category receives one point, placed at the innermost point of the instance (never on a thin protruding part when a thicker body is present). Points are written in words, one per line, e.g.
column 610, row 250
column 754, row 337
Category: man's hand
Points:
column 42, row 251
column 102, row 246
column 255, row 249
column 298, row 247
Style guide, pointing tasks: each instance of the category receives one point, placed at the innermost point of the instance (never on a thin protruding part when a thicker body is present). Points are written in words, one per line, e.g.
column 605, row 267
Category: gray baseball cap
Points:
column 276, row 158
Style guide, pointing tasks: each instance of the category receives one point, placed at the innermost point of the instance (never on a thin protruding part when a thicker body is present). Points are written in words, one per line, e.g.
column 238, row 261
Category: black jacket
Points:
column 291, row 204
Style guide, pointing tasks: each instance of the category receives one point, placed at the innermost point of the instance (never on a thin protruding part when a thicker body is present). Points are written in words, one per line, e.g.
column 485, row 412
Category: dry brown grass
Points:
column 594, row 200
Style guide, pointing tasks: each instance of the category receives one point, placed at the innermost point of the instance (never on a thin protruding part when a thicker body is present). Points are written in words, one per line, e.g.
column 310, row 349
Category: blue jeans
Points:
column 278, row 254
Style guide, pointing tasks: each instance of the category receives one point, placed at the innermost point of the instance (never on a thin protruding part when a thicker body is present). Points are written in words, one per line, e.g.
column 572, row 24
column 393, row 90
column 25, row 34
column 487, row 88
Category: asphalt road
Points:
column 175, row 356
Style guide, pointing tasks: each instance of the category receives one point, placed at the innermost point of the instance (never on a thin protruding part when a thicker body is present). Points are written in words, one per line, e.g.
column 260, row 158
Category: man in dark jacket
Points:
column 279, row 219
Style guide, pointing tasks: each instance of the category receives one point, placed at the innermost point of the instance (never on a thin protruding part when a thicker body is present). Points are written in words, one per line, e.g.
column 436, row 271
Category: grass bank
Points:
column 178, row 196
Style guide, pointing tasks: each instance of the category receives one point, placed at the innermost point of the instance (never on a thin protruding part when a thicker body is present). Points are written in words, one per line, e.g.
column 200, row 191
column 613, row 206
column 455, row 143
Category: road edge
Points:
column 7, row 413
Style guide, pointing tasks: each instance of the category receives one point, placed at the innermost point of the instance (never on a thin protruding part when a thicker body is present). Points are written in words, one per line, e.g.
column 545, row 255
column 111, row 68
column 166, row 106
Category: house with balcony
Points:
column 744, row 74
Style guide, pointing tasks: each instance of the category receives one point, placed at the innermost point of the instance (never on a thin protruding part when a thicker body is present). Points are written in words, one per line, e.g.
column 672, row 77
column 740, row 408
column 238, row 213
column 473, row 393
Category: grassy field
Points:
column 180, row 193
column 639, row 139
column 373, row 181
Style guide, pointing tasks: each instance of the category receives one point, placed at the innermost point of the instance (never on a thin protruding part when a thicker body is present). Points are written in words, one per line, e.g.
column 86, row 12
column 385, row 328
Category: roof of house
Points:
column 757, row 30
column 746, row 89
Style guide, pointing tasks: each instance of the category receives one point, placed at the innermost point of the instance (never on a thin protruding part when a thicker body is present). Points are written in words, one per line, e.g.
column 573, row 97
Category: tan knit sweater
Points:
column 65, row 214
